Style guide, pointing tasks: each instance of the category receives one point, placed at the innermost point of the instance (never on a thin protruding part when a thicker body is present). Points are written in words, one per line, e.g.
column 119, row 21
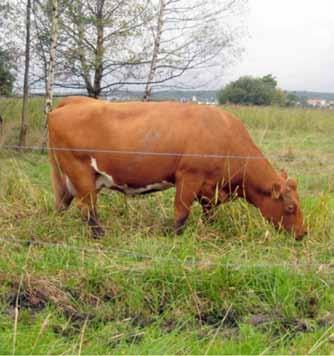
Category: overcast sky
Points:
column 293, row 40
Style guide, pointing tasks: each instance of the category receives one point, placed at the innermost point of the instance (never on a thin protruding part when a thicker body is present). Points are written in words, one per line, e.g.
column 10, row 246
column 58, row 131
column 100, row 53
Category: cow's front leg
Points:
column 208, row 207
column 87, row 206
column 187, row 189
column 210, row 199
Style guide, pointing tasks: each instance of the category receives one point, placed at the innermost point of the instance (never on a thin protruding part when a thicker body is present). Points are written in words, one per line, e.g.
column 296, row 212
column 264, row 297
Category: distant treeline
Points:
column 186, row 95
column 314, row 95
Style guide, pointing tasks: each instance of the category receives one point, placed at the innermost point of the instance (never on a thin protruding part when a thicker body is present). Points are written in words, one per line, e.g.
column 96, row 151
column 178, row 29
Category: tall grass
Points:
column 234, row 286
column 287, row 120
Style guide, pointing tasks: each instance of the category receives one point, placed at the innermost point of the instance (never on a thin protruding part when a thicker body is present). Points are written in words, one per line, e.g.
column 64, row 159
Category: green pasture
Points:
column 233, row 286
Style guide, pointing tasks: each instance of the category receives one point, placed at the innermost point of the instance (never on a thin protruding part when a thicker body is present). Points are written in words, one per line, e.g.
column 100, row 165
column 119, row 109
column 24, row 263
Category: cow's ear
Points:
column 292, row 183
column 284, row 174
column 276, row 191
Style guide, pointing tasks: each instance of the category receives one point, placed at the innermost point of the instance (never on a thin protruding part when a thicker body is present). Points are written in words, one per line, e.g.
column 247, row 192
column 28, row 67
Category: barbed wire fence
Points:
column 323, row 164
column 317, row 267
column 308, row 157
column 167, row 154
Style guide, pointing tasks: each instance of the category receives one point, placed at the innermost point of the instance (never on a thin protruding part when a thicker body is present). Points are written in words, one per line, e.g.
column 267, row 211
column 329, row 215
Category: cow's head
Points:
column 282, row 206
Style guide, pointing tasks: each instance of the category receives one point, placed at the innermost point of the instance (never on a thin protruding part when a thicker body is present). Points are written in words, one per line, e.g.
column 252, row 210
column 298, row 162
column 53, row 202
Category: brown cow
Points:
column 138, row 148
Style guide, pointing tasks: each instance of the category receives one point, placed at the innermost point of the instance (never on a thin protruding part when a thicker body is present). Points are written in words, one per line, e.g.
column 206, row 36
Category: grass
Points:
column 235, row 286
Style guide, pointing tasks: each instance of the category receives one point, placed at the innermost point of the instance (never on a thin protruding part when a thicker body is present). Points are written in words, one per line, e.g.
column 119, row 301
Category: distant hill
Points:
column 200, row 95
column 189, row 95
column 179, row 95
column 313, row 95
column 206, row 95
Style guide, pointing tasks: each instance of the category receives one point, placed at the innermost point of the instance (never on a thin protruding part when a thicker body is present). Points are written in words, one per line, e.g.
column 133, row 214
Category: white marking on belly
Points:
column 151, row 187
column 70, row 186
column 106, row 180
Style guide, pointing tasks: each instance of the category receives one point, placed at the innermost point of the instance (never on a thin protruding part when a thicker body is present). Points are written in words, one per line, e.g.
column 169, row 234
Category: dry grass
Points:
column 234, row 286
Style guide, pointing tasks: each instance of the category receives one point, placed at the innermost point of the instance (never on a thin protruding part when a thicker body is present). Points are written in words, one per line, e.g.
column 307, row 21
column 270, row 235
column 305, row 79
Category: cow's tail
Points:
column 62, row 194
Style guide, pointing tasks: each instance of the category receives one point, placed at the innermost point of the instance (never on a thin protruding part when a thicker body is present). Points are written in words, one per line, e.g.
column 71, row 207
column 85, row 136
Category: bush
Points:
column 253, row 91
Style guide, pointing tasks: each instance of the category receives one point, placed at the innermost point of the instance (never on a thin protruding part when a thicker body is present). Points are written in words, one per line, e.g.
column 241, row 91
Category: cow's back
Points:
column 149, row 141
column 144, row 123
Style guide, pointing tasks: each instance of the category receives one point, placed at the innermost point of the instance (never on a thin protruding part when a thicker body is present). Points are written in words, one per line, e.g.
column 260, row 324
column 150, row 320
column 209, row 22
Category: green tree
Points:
column 270, row 80
column 6, row 76
column 292, row 99
column 279, row 98
column 253, row 91
column 248, row 91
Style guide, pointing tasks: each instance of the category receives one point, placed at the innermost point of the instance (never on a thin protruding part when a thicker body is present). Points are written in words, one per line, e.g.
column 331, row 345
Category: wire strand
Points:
column 162, row 154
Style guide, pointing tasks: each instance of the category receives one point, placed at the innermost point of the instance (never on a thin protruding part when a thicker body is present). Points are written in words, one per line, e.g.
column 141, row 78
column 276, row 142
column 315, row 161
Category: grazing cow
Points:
column 138, row 148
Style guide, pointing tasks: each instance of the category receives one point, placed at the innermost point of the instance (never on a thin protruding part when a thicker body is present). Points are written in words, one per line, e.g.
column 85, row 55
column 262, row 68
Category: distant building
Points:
column 317, row 103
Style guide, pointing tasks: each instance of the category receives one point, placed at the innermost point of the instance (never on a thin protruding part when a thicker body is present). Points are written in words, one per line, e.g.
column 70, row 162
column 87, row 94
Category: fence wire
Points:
column 187, row 261
column 166, row 154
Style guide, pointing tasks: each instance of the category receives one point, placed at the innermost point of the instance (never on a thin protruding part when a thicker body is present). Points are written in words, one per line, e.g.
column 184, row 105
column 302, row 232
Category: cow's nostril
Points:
column 301, row 235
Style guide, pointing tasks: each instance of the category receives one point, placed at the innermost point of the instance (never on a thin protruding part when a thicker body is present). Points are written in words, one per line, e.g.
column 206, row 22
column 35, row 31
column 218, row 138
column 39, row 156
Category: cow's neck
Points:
column 258, row 181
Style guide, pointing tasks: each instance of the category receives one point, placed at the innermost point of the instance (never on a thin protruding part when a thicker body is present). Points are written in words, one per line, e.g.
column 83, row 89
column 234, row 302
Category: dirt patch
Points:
column 229, row 317
column 308, row 305
column 260, row 319
column 326, row 320
column 277, row 320
column 35, row 293
column 142, row 320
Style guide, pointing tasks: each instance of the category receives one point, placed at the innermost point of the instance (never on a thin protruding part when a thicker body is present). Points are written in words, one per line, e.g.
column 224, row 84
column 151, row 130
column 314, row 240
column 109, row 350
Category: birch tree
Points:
column 189, row 36
column 24, row 117
column 148, row 44
column 52, row 60
column 156, row 47
column 98, row 52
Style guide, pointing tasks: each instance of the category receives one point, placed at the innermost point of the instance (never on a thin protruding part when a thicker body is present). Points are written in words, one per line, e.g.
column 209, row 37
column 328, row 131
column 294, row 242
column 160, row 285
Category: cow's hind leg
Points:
column 61, row 191
column 83, row 179
column 187, row 189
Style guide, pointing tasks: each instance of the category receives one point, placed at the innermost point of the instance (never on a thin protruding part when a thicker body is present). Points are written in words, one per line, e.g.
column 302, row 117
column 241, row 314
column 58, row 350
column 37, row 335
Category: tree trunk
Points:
column 50, row 68
column 52, row 61
column 24, row 118
column 82, row 57
column 156, row 51
column 1, row 124
column 98, row 75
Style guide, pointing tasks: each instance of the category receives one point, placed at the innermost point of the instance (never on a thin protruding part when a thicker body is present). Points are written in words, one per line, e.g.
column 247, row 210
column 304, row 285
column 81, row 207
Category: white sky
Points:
column 291, row 39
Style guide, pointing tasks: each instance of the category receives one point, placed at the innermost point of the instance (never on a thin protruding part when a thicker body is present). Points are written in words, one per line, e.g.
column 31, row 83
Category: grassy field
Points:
column 234, row 286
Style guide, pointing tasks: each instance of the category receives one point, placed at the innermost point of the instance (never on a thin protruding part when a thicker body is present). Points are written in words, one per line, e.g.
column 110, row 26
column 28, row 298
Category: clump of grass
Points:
column 235, row 285
column 285, row 120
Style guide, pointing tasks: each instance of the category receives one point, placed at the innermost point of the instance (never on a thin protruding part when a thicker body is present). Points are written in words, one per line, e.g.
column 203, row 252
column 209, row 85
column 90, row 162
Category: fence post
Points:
column 1, row 125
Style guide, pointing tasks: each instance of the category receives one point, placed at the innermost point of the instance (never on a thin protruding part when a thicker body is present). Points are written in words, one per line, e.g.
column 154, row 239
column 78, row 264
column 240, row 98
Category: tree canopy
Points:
column 105, row 45
column 248, row 90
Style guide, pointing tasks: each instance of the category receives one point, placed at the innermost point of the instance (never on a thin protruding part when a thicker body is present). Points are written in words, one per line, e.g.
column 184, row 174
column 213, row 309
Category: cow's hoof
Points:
column 178, row 230
column 180, row 226
column 167, row 230
column 97, row 232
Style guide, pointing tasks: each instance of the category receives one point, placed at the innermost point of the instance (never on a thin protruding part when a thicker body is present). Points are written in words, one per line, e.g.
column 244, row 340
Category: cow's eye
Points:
column 290, row 209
